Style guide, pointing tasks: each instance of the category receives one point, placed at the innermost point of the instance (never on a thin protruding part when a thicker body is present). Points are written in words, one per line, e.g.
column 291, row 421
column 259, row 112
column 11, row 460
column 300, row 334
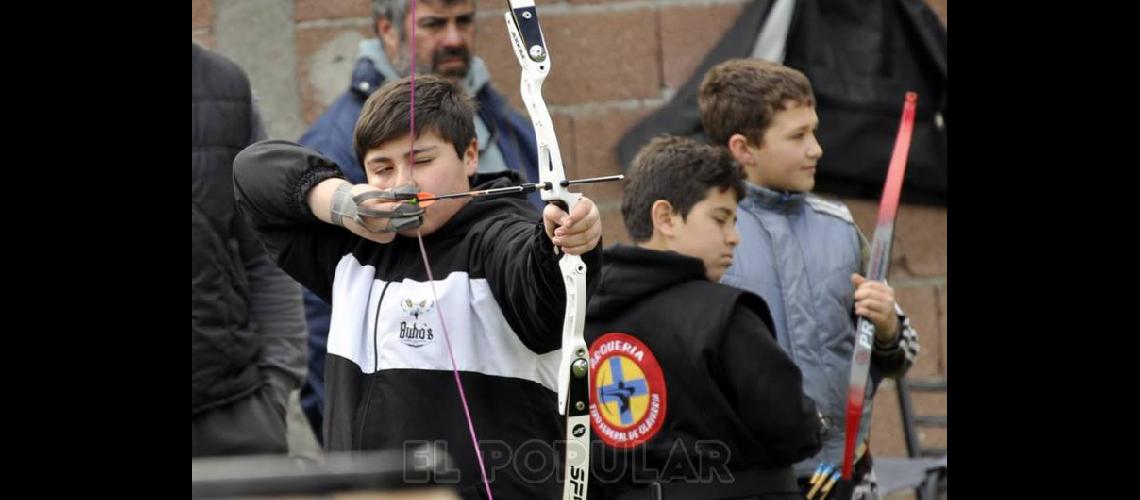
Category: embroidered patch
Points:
column 627, row 403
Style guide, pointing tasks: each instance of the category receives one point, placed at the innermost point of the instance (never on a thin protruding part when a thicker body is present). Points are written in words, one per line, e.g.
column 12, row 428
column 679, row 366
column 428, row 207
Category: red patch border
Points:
column 653, row 376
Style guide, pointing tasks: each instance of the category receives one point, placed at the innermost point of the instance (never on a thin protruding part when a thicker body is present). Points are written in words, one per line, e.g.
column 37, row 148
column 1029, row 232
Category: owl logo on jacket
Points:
column 416, row 307
column 414, row 333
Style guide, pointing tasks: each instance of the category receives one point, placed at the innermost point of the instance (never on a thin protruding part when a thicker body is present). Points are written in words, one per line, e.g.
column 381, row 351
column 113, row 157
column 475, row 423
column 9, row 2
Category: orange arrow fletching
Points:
column 425, row 195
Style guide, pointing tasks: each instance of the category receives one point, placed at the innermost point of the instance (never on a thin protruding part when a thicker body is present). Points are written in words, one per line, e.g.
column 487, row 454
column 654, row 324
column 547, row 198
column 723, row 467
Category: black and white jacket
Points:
column 388, row 375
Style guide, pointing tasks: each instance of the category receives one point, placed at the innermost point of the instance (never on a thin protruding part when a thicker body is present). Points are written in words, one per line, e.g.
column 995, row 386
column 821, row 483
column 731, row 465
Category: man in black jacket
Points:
column 247, row 327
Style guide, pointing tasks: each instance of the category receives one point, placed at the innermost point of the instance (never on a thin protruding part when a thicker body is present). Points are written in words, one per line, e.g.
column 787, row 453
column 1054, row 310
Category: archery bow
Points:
column 880, row 259
column 573, row 366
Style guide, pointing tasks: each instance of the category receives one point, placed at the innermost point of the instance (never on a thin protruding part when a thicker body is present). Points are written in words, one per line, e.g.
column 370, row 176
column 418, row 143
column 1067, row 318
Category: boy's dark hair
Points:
column 678, row 170
column 740, row 96
column 441, row 107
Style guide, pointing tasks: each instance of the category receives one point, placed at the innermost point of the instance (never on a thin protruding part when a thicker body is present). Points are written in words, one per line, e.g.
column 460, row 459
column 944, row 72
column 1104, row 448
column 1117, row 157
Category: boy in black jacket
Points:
column 692, row 397
column 495, row 290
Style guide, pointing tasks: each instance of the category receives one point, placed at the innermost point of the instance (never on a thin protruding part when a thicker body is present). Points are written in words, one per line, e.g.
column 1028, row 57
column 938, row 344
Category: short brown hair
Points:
column 441, row 107
column 740, row 96
column 678, row 170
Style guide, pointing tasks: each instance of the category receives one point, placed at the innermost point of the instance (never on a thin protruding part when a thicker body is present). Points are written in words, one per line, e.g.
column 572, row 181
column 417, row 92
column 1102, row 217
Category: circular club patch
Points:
column 627, row 403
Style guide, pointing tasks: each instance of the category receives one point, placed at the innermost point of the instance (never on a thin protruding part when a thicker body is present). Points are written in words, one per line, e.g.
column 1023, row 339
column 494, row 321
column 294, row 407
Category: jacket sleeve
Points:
column 271, row 181
column 275, row 312
column 522, row 271
column 767, row 389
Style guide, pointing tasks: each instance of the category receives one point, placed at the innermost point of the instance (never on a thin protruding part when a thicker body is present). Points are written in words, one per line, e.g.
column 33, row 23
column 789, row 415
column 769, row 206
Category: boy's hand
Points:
column 875, row 301
column 577, row 233
column 378, row 228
